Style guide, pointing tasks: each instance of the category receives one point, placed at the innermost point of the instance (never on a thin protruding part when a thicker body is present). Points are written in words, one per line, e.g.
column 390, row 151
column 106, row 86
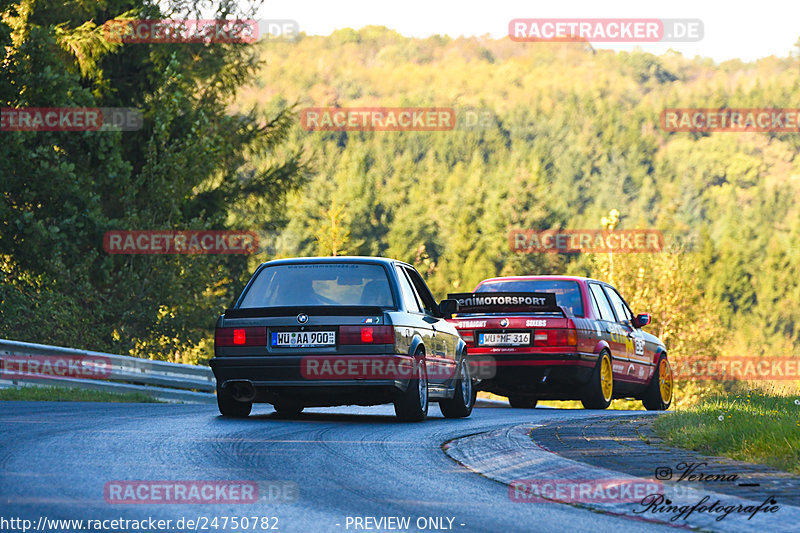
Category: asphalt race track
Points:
column 56, row 459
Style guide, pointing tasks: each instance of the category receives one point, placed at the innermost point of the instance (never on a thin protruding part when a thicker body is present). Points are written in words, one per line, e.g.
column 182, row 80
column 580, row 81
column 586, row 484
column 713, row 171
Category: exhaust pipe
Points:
column 241, row 389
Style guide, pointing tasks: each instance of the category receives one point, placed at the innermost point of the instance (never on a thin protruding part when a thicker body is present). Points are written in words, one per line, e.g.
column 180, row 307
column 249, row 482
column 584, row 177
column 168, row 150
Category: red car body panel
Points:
column 526, row 369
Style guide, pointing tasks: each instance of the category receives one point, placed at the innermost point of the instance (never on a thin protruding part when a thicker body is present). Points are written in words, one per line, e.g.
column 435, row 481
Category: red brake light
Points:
column 366, row 335
column 256, row 336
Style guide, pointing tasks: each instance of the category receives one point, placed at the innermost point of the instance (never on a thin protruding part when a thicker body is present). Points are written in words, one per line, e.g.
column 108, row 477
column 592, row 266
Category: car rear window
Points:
column 568, row 293
column 320, row 284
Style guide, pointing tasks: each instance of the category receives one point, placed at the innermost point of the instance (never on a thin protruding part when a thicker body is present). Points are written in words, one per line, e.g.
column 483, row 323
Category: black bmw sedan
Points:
column 325, row 331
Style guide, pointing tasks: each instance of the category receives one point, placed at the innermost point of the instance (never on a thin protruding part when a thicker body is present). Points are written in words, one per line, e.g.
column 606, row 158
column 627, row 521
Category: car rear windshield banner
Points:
column 495, row 302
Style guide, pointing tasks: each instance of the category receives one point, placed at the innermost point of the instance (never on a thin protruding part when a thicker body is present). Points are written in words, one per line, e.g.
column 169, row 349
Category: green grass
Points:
column 753, row 426
column 59, row 394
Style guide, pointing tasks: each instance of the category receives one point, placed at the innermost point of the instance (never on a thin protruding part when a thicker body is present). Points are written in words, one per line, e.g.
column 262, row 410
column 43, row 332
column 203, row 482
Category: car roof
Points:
column 544, row 277
column 335, row 259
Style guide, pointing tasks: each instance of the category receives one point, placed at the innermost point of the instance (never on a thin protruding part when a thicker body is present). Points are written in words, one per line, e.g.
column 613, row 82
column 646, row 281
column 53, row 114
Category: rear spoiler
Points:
column 311, row 310
column 506, row 302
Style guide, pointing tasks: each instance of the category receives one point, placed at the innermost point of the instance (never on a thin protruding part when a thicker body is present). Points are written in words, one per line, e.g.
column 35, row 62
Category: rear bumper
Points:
column 545, row 376
column 282, row 377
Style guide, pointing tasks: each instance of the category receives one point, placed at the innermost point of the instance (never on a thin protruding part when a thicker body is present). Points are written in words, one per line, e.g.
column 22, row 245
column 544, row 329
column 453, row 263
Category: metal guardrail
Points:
column 38, row 364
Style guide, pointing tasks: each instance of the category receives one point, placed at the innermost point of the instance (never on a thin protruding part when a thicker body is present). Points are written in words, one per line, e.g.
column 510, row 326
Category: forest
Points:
column 547, row 136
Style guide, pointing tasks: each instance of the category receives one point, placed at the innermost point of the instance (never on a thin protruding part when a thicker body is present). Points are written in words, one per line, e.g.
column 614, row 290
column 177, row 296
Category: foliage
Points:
column 192, row 165
column 570, row 133
column 760, row 426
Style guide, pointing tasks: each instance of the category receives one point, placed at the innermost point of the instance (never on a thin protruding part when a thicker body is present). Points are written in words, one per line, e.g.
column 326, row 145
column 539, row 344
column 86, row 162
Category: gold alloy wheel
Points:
column 606, row 378
column 665, row 380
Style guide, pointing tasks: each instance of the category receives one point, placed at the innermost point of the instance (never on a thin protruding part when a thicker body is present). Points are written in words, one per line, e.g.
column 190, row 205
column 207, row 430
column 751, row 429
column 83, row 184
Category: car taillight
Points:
column 468, row 335
column 555, row 337
column 254, row 336
column 366, row 335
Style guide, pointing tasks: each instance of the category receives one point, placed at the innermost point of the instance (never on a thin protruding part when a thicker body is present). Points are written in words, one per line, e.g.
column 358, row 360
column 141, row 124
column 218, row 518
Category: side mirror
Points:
column 640, row 321
column 448, row 308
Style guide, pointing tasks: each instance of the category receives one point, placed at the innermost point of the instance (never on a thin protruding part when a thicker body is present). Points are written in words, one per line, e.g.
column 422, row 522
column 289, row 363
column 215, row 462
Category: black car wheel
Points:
column 287, row 408
column 600, row 389
column 412, row 405
column 228, row 406
column 658, row 395
column 522, row 402
column 461, row 404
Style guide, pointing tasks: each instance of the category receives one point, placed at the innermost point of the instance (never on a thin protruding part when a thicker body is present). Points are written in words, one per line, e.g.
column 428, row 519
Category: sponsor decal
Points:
column 480, row 301
column 638, row 344
column 465, row 324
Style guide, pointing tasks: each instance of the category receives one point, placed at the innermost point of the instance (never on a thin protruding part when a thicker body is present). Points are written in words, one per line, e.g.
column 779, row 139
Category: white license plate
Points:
column 303, row 339
column 504, row 339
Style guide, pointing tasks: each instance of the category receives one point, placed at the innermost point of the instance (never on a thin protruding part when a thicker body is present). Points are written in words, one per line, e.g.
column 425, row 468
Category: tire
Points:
column 600, row 390
column 412, row 405
column 230, row 407
column 460, row 405
column 287, row 408
column 658, row 395
column 522, row 402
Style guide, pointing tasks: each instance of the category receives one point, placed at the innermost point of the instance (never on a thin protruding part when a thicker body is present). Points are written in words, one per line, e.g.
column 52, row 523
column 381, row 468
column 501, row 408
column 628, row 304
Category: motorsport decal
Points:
column 492, row 302
column 619, row 335
column 638, row 346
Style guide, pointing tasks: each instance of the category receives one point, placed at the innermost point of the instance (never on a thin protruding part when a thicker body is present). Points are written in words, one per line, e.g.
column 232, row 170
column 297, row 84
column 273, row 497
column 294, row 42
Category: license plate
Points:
column 504, row 339
column 303, row 339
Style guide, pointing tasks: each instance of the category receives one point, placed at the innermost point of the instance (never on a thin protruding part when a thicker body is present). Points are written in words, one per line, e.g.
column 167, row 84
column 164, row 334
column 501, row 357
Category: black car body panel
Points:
column 281, row 372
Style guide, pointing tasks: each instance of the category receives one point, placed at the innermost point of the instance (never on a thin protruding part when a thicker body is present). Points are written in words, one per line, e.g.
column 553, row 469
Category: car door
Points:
column 611, row 332
column 637, row 368
column 445, row 336
column 418, row 319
